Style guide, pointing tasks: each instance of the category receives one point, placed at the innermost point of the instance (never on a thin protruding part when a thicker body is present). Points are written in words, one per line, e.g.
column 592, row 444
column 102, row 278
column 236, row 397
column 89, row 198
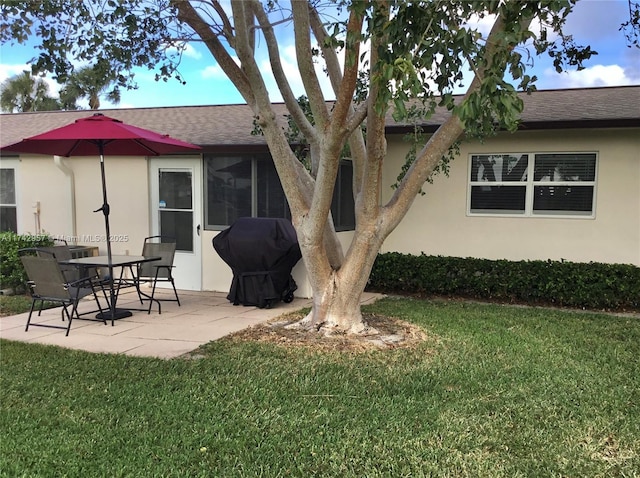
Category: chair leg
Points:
column 33, row 303
column 173, row 284
column 153, row 292
column 95, row 297
column 70, row 316
column 136, row 282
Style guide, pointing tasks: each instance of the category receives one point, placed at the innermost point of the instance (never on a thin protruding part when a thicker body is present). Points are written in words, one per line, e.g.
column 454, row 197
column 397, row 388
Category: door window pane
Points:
column 175, row 189
column 178, row 224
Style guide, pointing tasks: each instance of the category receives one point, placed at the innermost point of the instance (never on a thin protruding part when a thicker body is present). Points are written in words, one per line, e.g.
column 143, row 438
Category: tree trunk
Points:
column 336, row 308
column 337, row 293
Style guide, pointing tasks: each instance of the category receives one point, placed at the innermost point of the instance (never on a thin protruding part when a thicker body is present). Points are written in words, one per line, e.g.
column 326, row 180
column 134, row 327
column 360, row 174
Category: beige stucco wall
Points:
column 41, row 180
column 438, row 224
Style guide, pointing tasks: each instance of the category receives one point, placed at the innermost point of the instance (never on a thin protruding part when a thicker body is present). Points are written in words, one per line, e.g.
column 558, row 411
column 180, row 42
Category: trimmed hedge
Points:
column 567, row 284
column 12, row 273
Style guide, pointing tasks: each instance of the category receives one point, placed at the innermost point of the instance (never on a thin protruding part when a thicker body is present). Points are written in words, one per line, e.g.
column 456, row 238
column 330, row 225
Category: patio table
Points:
column 123, row 262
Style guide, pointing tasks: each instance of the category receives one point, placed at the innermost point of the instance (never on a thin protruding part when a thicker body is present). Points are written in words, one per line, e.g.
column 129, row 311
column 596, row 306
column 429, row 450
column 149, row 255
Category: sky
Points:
column 593, row 22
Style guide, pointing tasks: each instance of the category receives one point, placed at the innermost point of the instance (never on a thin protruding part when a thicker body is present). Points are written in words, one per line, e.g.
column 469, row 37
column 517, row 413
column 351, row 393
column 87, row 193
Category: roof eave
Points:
column 536, row 125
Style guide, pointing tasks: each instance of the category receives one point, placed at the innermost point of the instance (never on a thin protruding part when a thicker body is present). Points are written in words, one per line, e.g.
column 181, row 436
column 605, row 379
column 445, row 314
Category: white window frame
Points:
column 530, row 185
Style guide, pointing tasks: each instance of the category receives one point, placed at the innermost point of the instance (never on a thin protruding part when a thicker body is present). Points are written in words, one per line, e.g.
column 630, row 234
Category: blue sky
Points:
column 593, row 22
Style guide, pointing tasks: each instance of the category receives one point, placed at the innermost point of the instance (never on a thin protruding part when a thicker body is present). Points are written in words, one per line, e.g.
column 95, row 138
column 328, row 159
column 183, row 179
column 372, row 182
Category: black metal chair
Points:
column 158, row 271
column 61, row 253
column 47, row 283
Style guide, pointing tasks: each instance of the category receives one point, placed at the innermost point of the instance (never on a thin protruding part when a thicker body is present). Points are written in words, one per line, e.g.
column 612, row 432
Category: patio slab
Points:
column 201, row 318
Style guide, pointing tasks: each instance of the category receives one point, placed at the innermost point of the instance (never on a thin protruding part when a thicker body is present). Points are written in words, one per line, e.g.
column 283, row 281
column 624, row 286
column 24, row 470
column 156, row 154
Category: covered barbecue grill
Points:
column 261, row 253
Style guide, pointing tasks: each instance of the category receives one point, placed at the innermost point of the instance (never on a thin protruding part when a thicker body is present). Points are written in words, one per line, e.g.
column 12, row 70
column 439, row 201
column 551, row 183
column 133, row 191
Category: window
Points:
column 343, row 207
column 229, row 189
column 248, row 186
column 533, row 184
column 8, row 206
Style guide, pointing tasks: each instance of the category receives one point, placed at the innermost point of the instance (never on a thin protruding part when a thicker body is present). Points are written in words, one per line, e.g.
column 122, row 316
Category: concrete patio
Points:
column 201, row 318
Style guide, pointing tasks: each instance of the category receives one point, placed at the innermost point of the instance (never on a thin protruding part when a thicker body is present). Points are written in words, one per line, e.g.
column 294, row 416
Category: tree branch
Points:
column 188, row 15
column 304, row 56
column 294, row 178
column 356, row 117
column 290, row 100
column 368, row 201
column 447, row 134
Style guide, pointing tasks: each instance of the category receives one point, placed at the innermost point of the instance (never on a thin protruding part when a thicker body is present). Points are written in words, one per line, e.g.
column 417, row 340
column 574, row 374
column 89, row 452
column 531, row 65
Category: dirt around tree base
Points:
column 392, row 333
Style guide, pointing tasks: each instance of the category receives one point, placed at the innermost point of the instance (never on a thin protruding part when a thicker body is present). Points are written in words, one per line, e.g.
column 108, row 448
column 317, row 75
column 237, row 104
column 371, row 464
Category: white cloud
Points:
column 191, row 52
column 9, row 70
column 212, row 71
column 483, row 25
column 187, row 50
column 215, row 72
column 594, row 76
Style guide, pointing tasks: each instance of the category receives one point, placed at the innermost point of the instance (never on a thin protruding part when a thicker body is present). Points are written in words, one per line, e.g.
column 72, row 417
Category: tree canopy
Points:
column 24, row 92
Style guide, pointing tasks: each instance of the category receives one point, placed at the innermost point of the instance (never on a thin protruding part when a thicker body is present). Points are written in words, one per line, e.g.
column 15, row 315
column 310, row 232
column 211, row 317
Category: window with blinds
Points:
column 532, row 184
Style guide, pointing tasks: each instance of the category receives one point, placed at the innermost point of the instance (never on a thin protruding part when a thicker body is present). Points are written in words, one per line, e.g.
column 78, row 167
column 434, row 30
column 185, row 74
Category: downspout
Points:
column 72, row 189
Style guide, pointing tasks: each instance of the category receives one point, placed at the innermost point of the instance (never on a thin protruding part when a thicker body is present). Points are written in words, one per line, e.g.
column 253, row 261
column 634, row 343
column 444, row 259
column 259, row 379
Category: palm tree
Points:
column 24, row 92
column 89, row 82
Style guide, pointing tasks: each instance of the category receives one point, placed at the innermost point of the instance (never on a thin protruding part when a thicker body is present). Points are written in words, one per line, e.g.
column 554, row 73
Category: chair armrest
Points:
column 84, row 281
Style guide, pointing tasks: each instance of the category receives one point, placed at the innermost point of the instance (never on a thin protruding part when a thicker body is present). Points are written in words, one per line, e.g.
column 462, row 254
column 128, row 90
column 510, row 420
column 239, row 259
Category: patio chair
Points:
column 61, row 253
column 157, row 271
column 47, row 283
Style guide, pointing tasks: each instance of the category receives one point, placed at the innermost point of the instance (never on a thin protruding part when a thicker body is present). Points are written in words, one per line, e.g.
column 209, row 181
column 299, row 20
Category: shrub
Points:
column 570, row 284
column 12, row 273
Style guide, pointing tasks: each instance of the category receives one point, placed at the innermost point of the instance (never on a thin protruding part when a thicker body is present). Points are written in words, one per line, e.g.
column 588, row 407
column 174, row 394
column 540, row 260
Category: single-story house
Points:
column 565, row 186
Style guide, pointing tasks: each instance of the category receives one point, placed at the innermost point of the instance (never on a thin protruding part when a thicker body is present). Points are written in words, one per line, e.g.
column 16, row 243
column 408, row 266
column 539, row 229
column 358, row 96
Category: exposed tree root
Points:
column 293, row 330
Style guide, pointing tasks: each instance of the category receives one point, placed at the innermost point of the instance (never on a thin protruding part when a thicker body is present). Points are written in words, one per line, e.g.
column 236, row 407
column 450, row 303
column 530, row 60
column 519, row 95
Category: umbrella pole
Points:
column 113, row 312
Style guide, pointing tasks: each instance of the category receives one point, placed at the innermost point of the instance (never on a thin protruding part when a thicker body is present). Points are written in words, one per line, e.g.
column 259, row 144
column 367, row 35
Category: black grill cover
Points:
column 261, row 253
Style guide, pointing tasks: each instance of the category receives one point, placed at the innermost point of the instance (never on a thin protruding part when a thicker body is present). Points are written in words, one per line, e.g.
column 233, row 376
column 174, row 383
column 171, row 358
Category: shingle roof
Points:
column 231, row 125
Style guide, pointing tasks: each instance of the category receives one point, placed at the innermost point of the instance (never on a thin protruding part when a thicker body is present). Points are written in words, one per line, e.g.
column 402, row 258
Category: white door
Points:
column 176, row 198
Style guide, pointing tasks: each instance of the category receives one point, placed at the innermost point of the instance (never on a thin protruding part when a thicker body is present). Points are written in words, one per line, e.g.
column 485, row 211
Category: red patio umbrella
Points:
column 104, row 136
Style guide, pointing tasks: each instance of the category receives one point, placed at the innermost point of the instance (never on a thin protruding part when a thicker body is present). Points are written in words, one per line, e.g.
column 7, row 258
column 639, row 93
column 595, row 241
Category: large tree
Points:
column 416, row 54
column 24, row 92
column 92, row 83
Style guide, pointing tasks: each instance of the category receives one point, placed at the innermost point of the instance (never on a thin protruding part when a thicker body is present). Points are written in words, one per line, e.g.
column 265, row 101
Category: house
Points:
column 565, row 186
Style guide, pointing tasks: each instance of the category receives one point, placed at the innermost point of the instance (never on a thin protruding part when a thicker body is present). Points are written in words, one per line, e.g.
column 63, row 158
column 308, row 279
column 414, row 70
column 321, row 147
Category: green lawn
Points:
column 497, row 391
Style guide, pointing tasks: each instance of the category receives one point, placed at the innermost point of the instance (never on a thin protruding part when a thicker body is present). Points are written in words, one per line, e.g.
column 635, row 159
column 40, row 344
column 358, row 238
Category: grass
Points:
column 498, row 391
column 14, row 304
column 17, row 304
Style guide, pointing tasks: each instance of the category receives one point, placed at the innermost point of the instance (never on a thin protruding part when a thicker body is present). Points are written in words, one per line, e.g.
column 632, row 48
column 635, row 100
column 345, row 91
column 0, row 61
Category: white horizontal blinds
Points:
column 550, row 184
column 564, row 183
column 498, row 183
